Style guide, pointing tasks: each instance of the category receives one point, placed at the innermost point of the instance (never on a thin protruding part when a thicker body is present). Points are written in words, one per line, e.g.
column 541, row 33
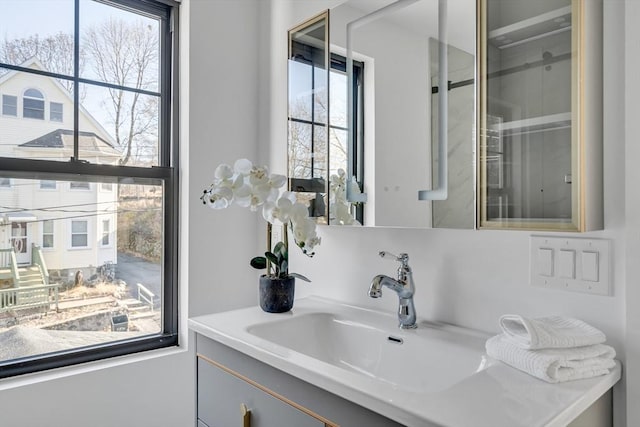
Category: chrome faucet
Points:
column 403, row 286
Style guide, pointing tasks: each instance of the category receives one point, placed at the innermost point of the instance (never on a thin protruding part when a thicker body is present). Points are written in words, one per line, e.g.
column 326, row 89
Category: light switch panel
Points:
column 590, row 267
column 545, row 262
column 570, row 264
column 567, row 263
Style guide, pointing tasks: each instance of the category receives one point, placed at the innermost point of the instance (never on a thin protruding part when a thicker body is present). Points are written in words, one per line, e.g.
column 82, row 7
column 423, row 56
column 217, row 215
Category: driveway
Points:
column 133, row 270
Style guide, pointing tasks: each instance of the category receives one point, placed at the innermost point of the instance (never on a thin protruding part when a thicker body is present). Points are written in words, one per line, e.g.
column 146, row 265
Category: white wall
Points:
column 470, row 278
column 631, row 113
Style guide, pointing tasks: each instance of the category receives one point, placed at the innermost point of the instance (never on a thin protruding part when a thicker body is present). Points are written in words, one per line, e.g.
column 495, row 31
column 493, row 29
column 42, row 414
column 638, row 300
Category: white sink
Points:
column 437, row 375
column 422, row 360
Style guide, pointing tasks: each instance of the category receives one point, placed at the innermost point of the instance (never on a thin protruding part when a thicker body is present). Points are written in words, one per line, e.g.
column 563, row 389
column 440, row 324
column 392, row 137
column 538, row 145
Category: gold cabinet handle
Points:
column 246, row 415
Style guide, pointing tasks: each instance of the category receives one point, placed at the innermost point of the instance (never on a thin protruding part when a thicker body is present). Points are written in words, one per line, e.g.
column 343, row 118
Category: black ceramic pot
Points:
column 276, row 295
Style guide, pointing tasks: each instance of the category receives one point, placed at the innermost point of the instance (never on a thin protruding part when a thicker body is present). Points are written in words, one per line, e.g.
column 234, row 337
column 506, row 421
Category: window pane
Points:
column 32, row 108
column 106, row 32
column 38, row 33
column 132, row 217
column 79, row 240
column 338, row 99
column 135, row 143
column 79, row 185
column 78, row 226
column 22, row 137
column 47, row 240
column 48, row 185
column 55, row 113
column 300, row 90
column 9, row 104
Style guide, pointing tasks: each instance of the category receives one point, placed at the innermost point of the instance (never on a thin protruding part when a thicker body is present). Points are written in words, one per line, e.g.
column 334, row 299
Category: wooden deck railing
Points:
column 29, row 296
column 38, row 259
column 145, row 295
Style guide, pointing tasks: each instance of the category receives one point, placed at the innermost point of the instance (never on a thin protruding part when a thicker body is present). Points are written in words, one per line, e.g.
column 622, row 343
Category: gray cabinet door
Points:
column 221, row 394
column 201, row 424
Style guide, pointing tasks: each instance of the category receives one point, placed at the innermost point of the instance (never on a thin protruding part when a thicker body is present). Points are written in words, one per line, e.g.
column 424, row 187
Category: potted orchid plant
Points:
column 252, row 186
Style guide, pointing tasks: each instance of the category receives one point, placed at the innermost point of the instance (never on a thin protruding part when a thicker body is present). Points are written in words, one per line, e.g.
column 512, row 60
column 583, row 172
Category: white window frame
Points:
column 52, row 234
column 51, row 112
column 83, row 188
column 87, row 233
column 4, row 113
column 55, row 185
column 106, row 234
column 33, row 98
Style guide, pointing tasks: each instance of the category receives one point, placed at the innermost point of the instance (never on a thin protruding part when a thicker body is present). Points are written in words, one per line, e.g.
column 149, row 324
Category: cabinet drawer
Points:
column 221, row 394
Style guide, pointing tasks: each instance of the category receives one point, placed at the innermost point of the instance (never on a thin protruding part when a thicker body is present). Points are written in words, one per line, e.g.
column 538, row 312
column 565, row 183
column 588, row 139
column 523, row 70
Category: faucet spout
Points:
column 403, row 286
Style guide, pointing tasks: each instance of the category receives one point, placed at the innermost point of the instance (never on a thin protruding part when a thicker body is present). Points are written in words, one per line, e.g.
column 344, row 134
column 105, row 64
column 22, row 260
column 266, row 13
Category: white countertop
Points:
column 494, row 396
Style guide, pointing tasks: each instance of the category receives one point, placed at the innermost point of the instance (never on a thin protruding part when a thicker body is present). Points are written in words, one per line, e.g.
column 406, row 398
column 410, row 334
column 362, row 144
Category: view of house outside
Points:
column 80, row 261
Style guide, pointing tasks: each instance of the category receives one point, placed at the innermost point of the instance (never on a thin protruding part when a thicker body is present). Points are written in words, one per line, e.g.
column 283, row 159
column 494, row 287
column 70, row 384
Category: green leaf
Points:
column 258, row 262
column 284, row 265
column 272, row 257
column 300, row 276
column 280, row 250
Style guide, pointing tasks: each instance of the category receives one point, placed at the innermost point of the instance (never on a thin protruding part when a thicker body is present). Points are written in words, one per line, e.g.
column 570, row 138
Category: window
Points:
column 308, row 130
column 128, row 148
column 79, row 186
column 47, row 234
column 48, row 184
column 55, row 112
column 106, row 232
column 9, row 105
column 33, row 104
column 79, row 234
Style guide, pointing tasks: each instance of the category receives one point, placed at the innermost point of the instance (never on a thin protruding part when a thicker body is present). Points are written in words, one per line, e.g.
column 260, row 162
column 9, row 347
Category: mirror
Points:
column 394, row 150
column 308, row 115
column 533, row 115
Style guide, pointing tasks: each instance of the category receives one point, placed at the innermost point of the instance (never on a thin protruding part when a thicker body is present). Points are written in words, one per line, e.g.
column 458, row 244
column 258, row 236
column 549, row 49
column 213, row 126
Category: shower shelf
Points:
column 534, row 124
column 537, row 27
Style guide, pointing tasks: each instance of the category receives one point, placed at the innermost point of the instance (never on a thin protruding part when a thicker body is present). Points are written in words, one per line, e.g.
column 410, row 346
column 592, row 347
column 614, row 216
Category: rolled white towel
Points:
column 549, row 332
column 554, row 365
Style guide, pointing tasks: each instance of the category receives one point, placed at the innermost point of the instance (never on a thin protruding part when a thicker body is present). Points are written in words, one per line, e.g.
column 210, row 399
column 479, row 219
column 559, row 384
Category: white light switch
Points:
column 572, row 264
column 545, row 262
column 590, row 270
column 567, row 263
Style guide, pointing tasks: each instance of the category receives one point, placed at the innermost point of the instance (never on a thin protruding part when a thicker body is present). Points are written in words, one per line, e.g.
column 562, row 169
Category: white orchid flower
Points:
column 223, row 172
column 259, row 175
column 277, row 212
column 299, row 212
column 243, row 166
column 276, row 180
column 257, row 196
column 218, row 197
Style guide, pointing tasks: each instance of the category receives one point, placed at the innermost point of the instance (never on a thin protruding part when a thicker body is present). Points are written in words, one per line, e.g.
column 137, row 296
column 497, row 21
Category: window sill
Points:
column 68, row 371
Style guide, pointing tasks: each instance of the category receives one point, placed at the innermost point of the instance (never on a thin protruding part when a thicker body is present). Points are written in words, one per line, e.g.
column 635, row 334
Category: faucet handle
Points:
column 403, row 258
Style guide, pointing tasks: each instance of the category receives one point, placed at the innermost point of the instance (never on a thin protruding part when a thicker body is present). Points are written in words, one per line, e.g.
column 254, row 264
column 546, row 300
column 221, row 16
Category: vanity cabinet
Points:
column 228, row 379
column 540, row 114
column 222, row 394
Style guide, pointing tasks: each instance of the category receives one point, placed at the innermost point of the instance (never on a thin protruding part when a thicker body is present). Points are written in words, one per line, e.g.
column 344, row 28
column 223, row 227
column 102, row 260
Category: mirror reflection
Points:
column 308, row 114
column 395, row 125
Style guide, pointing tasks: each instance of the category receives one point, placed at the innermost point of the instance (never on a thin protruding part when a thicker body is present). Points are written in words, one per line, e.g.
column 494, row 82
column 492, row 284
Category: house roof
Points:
column 36, row 64
column 63, row 138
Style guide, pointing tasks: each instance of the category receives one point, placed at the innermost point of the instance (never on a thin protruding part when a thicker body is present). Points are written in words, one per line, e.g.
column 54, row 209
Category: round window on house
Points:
column 33, row 104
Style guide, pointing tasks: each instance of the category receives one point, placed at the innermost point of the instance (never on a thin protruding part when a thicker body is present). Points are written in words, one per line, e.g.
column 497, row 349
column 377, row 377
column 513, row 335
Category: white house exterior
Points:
column 36, row 118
